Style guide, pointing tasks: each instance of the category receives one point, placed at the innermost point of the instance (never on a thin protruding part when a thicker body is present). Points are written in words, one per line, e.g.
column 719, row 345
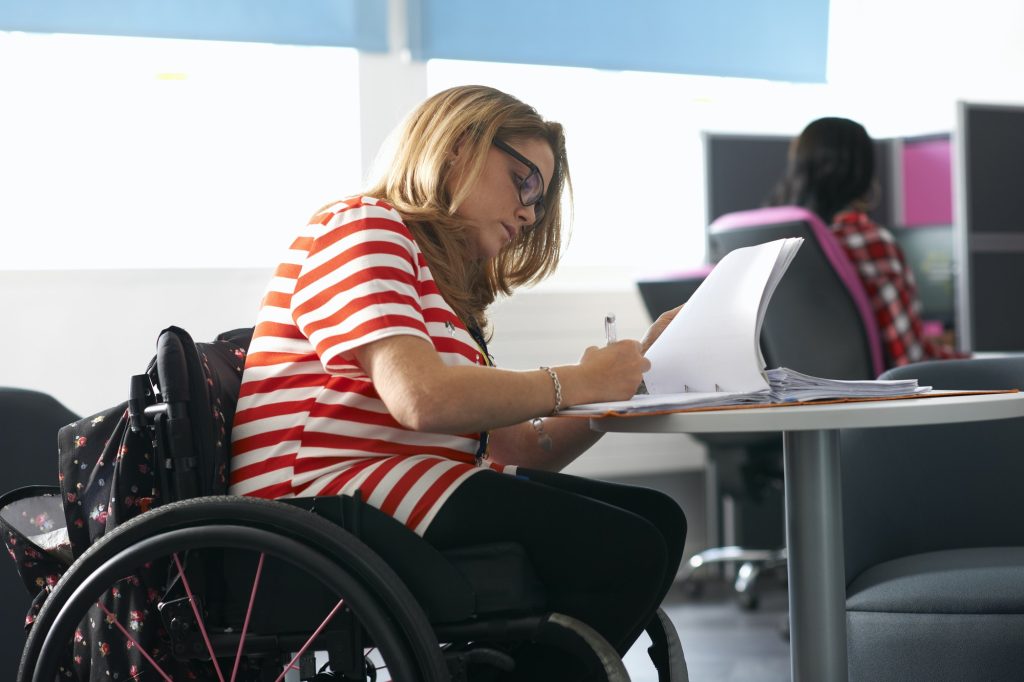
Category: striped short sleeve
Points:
column 359, row 282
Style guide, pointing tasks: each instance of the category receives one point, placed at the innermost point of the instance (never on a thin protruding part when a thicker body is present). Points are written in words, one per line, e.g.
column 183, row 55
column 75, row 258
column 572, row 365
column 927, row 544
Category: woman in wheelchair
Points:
column 395, row 504
column 368, row 372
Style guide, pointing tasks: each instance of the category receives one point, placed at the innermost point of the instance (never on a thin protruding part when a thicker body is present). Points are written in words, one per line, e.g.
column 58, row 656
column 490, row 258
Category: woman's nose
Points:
column 526, row 214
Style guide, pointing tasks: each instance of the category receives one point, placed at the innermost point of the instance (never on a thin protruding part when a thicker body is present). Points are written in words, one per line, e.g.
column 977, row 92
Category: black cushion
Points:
column 969, row 373
column 934, row 647
column 976, row 581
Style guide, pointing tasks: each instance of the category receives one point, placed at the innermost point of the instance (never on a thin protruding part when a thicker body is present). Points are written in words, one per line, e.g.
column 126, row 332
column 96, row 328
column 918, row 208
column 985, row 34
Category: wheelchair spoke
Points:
column 199, row 618
column 248, row 615
column 113, row 619
column 174, row 597
column 312, row 638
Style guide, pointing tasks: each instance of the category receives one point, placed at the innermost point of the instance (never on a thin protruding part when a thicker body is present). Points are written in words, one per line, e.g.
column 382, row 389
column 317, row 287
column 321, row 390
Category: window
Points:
column 138, row 152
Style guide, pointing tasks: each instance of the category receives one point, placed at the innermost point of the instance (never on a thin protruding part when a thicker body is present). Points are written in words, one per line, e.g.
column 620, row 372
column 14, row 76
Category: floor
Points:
column 721, row 641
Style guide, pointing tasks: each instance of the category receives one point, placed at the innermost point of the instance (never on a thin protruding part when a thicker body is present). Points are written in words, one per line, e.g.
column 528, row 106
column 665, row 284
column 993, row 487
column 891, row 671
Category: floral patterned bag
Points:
column 33, row 527
column 108, row 475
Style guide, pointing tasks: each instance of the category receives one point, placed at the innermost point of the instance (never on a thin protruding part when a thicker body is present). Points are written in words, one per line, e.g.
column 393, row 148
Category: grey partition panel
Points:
column 742, row 172
column 997, row 320
column 989, row 167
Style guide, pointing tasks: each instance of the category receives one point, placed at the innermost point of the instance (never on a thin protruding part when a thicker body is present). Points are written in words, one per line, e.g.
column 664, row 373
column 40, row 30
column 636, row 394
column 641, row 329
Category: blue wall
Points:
column 347, row 23
column 771, row 39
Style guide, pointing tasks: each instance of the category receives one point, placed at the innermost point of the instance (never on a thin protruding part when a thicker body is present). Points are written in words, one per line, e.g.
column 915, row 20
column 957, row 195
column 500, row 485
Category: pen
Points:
column 609, row 328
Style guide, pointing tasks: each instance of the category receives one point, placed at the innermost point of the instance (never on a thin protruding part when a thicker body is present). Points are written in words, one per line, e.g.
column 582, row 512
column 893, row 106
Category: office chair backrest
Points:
column 663, row 293
column 29, row 421
column 919, row 489
column 820, row 320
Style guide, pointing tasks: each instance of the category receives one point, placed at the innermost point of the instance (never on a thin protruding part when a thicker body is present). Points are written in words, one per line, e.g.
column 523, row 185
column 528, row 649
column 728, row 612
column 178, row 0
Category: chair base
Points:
column 752, row 563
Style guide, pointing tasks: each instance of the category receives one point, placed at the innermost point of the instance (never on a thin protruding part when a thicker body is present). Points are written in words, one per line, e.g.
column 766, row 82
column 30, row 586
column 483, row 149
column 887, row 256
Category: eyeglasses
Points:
column 531, row 188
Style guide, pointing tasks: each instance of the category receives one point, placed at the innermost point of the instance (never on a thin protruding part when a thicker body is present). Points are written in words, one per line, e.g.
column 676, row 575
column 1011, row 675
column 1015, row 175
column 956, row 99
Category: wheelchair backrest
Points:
column 169, row 441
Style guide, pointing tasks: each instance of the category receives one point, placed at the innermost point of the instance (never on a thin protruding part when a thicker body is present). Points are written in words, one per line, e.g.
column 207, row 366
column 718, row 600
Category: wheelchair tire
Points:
column 385, row 609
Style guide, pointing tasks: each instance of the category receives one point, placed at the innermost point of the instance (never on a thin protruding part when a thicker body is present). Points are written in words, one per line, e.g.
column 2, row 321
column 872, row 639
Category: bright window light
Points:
column 134, row 152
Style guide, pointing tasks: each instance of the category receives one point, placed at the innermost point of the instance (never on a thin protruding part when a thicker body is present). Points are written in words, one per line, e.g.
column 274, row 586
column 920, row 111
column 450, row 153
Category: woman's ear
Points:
column 454, row 170
column 457, row 148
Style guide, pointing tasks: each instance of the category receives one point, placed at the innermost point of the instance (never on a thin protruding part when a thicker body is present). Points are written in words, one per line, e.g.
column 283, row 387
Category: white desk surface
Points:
column 811, row 417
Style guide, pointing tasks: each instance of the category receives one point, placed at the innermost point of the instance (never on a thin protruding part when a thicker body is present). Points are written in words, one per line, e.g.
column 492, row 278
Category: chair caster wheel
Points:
column 694, row 589
column 748, row 601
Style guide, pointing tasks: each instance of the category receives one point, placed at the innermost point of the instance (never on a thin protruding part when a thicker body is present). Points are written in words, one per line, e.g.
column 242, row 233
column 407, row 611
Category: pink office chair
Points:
column 819, row 321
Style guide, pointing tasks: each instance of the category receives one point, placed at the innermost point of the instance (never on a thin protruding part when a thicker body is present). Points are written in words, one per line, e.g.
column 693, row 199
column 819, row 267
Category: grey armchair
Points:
column 934, row 537
column 29, row 421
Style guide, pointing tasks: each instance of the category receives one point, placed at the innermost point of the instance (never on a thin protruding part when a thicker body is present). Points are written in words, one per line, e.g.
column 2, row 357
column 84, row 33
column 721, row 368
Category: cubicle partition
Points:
column 742, row 171
column 915, row 201
column 989, row 199
column 954, row 203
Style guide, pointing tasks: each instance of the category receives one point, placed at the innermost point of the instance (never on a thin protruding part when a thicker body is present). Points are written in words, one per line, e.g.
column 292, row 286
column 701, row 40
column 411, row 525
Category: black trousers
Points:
column 606, row 553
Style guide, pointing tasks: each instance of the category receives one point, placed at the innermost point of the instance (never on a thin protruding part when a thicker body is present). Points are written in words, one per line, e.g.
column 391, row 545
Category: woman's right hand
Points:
column 611, row 372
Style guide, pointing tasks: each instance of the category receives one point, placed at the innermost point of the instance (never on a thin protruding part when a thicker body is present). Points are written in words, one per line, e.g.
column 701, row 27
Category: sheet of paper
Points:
column 713, row 344
column 665, row 401
column 786, row 255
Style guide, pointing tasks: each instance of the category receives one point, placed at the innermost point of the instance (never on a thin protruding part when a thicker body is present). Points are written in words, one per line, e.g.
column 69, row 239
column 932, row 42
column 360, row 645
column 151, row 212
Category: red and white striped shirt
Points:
column 309, row 421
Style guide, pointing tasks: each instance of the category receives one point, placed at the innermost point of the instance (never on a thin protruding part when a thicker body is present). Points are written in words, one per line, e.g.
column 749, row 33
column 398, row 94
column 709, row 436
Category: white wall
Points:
column 903, row 63
column 80, row 334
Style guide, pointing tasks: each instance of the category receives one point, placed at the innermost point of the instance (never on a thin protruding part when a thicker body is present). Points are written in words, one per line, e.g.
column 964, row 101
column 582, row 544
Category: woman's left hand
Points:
column 655, row 330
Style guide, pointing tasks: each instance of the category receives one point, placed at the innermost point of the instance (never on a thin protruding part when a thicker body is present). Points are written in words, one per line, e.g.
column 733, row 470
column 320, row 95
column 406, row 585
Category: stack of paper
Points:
column 710, row 354
column 788, row 385
column 663, row 402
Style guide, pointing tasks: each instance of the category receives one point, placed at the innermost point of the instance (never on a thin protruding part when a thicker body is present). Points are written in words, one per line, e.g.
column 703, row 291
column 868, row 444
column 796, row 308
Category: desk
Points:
column 814, row 524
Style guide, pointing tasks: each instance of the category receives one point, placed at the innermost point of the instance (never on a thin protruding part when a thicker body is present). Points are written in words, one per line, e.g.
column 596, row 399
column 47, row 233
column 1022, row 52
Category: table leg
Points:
column 817, row 575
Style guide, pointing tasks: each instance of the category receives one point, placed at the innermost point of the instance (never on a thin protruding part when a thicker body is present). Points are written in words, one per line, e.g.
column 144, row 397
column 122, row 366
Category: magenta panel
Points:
column 927, row 183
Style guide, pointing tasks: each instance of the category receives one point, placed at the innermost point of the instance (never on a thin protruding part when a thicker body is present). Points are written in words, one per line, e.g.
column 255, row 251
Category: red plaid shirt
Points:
column 889, row 284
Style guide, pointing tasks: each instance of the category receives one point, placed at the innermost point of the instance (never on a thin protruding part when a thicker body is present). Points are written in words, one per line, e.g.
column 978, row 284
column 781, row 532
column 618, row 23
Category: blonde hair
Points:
column 416, row 183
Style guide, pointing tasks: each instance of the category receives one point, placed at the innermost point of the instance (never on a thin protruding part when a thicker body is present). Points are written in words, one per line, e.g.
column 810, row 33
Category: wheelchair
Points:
column 205, row 586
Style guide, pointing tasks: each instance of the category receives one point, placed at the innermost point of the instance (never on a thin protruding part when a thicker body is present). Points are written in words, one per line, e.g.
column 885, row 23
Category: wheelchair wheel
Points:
column 229, row 588
column 666, row 651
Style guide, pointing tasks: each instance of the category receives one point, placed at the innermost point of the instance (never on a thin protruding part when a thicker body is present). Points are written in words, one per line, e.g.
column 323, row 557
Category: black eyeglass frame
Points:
column 538, row 203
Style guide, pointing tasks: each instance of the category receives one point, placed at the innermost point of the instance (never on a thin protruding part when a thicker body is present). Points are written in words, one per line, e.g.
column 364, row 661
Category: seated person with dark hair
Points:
column 832, row 172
